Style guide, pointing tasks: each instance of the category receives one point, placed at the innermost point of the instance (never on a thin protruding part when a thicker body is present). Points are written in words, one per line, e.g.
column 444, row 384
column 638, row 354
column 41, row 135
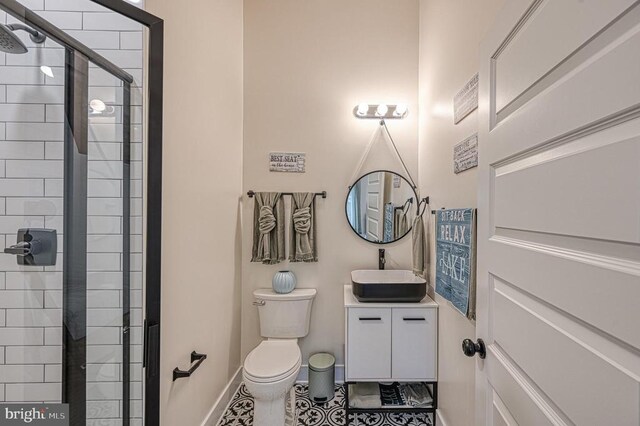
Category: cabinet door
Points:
column 369, row 343
column 414, row 343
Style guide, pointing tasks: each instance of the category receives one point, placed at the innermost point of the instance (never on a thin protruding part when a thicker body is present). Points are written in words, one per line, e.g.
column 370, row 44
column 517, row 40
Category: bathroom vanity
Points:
column 391, row 342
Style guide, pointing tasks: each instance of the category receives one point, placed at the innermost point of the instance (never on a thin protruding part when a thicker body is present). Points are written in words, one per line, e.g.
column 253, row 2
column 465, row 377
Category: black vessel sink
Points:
column 396, row 286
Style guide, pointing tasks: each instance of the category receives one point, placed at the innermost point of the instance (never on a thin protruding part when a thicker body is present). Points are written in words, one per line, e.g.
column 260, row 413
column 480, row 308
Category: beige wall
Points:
column 307, row 63
column 450, row 33
column 201, row 274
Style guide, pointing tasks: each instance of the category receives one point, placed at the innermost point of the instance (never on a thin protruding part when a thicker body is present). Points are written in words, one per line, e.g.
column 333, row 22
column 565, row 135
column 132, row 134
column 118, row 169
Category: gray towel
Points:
column 268, row 228
column 302, row 232
column 419, row 241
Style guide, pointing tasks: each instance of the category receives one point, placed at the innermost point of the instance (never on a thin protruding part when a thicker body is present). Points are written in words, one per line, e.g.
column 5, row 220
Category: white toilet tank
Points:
column 284, row 316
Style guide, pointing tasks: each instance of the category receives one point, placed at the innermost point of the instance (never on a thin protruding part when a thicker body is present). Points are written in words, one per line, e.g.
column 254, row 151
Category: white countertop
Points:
column 350, row 301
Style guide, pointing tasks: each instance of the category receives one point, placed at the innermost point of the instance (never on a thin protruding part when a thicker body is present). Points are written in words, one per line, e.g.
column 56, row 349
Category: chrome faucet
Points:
column 381, row 259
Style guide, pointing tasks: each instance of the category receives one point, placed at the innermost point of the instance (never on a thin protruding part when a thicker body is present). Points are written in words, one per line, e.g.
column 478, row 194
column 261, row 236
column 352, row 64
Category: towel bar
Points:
column 323, row 194
column 198, row 358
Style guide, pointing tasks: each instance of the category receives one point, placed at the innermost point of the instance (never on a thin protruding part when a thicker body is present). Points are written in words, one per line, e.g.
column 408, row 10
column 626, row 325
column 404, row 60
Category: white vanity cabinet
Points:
column 390, row 341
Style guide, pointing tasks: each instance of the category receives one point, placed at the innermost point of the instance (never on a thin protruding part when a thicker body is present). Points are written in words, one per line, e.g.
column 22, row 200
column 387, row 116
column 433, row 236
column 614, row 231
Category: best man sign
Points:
column 455, row 267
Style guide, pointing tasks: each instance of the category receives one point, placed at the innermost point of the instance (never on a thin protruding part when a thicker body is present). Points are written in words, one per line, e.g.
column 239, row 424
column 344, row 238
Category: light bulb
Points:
column 401, row 110
column 363, row 109
column 382, row 110
column 46, row 71
column 97, row 105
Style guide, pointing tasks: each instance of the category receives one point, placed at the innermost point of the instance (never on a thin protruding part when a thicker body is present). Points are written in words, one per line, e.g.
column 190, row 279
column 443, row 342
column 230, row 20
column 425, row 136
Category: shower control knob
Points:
column 470, row 348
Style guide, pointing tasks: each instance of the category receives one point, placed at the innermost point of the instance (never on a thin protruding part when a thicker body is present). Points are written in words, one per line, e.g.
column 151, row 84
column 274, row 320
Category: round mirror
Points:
column 381, row 207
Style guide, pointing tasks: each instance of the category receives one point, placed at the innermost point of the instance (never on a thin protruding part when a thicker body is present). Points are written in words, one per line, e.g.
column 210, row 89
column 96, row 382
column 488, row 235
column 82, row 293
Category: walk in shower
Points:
column 80, row 167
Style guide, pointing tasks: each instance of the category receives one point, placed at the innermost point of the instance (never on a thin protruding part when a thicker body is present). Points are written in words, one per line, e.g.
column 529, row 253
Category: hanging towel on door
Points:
column 268, row 228
column 302, row 231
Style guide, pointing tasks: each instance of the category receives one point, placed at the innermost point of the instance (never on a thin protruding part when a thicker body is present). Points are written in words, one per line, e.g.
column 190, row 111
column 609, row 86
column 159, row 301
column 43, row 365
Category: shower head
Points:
column 11, row 43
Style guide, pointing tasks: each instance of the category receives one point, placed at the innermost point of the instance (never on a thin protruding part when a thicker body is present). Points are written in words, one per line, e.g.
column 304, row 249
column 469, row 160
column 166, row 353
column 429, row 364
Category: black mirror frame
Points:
column 346, row 211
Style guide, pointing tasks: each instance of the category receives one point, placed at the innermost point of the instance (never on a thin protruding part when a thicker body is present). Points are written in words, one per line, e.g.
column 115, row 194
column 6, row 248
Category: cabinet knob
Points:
column 470, row 348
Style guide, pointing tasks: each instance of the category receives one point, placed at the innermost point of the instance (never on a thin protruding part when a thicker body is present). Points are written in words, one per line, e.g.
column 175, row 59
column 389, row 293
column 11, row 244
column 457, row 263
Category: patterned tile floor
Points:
column 240, row 412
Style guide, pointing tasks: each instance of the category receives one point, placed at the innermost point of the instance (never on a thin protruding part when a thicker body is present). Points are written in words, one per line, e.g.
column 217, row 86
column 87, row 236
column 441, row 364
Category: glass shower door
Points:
column 71, row 223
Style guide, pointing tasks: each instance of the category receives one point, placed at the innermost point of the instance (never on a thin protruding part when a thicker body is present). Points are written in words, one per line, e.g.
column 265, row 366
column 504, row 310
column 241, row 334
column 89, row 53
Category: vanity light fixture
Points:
column 381, row 111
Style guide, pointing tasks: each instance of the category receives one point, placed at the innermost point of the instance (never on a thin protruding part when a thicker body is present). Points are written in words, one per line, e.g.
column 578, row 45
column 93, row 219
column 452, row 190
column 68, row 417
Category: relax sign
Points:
column 455, row 257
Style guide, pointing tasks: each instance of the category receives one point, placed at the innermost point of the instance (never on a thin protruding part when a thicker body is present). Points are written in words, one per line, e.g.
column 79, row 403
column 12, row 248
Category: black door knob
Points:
column 470, row 348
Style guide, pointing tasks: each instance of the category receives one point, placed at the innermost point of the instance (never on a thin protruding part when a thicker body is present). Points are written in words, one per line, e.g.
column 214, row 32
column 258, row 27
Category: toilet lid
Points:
column 272, row 360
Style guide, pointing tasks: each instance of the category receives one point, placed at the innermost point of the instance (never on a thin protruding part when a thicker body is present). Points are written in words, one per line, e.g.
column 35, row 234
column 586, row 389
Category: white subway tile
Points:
column 104, row 244
column 105, row 151
column 131, row 40
column 104, row 225
column 11, row 224
column 54, row 113
column 136, row 225
column 103, row 372
column 104, row 207
column 53, row 187
column 63, row 20
column 3, row 166
column 54, row 222
column 3, row 318
column 104, row 169
column 58, row 265
column 33, row 354
column 103, row 410
column 73, row 5
column 53, row 373
column 104, row 280
column 108, row 94
column 53, row 299
column 33, row 4
column 21, row 336
column 21, row 112
column 35, row 94
column 103, row 262
column 34, row 317
column 35, row 206
column 136, row 244
column 96, row 39
column 54, row 150
column 103, row 299
column 108, row 317
column 19, row 392
column 53, row 336
column 109, row 22
column 105, row 132
column 21, row 299
column 21, row 373
column 99, row 77
column 108, row 188
column 10, row 150
column 35, row 168
column 136, row 188
column 104, row 354
column 35, row 131
column 136, row 317
column 21, row 187
column 34, row 280
column 103, row 335
column 21, row 75
column 3, row 281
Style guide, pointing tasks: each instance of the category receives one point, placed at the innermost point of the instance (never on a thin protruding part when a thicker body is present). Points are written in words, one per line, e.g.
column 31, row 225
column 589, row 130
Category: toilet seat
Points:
column 272, row 360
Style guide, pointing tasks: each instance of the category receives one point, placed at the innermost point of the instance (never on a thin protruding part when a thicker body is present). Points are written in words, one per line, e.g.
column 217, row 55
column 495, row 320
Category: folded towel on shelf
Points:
column 390, row 395
column 417, row 394
column 268, row 228
column 364, row 395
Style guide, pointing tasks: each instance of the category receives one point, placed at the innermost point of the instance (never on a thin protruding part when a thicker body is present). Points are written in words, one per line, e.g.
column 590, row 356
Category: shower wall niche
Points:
column 33, row 302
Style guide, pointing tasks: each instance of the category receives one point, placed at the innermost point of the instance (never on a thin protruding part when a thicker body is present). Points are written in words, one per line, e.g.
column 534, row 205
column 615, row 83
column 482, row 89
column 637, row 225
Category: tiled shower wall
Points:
column 31, row 190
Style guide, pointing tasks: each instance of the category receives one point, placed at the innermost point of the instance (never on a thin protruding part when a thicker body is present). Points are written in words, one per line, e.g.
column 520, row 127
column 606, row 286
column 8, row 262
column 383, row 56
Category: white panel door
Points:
column 559, row 215
column 375, row 206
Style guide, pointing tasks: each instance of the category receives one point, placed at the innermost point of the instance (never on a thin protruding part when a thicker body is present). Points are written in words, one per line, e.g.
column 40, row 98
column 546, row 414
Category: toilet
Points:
column 271, row 368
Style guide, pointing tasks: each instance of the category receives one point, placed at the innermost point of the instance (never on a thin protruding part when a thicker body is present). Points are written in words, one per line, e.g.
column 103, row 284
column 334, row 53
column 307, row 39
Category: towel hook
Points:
column 424, row 202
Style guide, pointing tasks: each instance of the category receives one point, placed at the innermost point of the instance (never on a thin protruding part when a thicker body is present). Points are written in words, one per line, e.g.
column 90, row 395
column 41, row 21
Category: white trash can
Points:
column 322, row 377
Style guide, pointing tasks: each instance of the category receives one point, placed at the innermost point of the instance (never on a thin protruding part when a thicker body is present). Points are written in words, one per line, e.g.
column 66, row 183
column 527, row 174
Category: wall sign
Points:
column 455, row 257
column 465, row 154
column 466, row 100
column 287, row 162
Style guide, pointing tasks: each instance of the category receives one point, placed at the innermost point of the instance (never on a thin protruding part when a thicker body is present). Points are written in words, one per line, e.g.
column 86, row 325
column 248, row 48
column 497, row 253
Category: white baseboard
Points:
column 441, row 421
column 220, row 406
column 303, row 376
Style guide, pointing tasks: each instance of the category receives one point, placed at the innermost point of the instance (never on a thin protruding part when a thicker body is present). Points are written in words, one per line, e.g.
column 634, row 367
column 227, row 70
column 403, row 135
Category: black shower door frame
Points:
column 77, row 59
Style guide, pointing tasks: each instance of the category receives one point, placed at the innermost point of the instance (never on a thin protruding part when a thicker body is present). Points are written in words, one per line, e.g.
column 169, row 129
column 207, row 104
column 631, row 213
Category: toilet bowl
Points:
column 270, row 370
